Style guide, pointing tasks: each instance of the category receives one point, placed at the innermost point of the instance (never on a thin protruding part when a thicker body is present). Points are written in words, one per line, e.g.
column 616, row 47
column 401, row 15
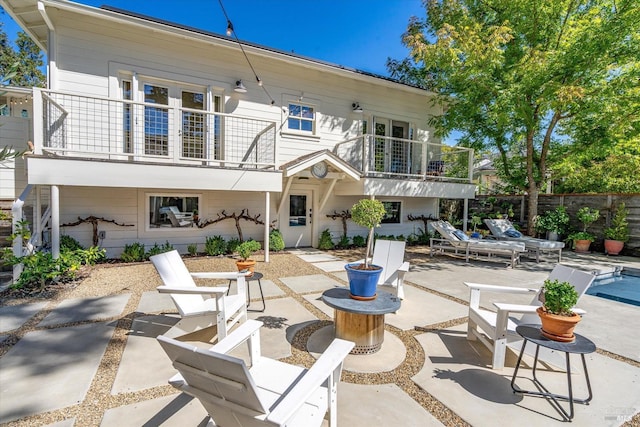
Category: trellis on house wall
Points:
column 243, row 215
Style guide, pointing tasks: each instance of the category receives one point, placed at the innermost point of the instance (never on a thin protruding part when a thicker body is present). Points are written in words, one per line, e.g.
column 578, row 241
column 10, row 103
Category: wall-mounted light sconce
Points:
column 356, row 107
column 240, row 87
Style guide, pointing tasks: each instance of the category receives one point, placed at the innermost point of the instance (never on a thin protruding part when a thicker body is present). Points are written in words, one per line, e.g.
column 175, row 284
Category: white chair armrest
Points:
column 228, row 275
column 197, row 290
column 404, row 267
column 527, row 309
column 497, row 288
column 332, row 357
column 239, row 335
column 515, row 308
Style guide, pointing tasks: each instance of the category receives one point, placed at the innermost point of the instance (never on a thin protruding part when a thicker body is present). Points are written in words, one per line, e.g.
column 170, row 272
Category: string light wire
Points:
column 232, row 32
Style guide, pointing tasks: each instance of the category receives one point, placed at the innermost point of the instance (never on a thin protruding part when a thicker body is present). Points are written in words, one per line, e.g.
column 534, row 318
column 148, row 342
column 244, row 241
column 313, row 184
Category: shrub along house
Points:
column 142, row 115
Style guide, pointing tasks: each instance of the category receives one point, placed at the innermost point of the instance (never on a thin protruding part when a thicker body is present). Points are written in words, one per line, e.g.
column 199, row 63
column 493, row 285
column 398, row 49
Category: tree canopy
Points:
column 26, row 55
column 526, row 78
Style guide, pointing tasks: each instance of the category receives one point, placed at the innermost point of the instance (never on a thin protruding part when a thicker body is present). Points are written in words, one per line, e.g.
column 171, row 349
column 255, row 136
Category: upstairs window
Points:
column 302, row 118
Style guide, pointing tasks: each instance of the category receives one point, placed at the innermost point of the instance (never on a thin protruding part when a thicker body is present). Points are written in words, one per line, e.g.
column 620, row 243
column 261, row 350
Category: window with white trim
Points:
column 172, row 210
column 393, row 212
column 301, row 118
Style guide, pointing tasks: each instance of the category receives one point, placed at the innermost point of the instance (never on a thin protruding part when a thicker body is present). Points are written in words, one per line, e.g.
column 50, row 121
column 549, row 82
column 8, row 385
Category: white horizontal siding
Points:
column 86, row 47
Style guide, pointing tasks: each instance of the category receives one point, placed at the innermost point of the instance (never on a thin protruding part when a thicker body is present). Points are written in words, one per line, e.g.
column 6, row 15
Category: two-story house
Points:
column 147, row 122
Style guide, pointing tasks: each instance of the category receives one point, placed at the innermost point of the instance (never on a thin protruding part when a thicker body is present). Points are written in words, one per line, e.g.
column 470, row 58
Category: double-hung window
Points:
column 302, row 118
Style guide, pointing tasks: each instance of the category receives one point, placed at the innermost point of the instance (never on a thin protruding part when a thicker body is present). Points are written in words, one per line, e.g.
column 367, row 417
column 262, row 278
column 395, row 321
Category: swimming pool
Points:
column 623, row 287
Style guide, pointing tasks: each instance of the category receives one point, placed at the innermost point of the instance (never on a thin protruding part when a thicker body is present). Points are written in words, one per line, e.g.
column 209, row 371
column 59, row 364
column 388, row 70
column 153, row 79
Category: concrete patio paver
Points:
column 14, row 316
column 175, row 410
column 310, row 283
column 86, row 309
column 51, row 369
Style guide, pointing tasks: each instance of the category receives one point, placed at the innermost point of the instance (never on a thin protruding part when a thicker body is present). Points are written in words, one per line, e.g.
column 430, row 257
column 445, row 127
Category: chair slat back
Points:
column 389, row 254
column 173, row 272
column 580, row 280
column 498, row 226
column 222, row 377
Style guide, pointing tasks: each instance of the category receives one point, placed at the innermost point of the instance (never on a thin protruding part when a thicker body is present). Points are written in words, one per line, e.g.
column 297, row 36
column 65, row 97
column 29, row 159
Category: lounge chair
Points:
column 177, row 218
column 200, row 307
column 389, row 254
column 503, row 229
column 270, row 393
column 458, row 242
column 497, row 330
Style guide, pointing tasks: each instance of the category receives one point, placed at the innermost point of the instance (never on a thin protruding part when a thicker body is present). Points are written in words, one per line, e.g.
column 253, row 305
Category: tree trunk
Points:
column 532, row 209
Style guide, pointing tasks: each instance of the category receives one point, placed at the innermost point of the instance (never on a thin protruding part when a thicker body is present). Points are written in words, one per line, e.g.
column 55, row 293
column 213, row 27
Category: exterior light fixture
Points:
column 240, row 87
column 229, row 28
column 356, row 107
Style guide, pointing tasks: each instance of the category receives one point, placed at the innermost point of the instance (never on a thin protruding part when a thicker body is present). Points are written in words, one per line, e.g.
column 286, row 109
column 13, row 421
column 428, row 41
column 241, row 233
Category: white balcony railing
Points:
column 95, row 127
column 379, row 156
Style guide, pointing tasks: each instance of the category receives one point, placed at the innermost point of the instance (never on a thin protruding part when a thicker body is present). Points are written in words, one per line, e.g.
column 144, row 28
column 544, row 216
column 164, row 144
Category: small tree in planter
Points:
column 245, row 250
column 553, row 222
column 368, row 213
column 363, row 278
column 618, row 233
column 582, row 239
column 558, row 319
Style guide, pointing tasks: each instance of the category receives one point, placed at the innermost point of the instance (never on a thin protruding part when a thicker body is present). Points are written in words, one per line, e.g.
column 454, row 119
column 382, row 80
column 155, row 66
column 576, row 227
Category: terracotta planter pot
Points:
column 613, row 247
column 248, row 264
column 582, row 246
column 556, row 327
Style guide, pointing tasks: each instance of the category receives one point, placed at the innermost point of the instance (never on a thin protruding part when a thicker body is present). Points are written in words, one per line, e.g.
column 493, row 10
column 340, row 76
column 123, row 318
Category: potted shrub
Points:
column 556, row 315
column 476, row 220
column 553, row 223
column 245, row 250
column 618, row 233
column 582, row 239
column 363, row 277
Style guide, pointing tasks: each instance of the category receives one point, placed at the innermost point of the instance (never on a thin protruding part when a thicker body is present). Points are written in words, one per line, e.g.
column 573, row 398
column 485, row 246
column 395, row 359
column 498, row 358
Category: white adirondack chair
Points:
column 270, row 393
column 389, row 254
column 496, row 329
column 200, row 307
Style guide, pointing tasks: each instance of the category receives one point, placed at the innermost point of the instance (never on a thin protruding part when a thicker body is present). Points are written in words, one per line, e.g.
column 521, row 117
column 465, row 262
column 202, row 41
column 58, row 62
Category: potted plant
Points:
column 363, row 277
column 553, row 223
column 245, row 250
column 556, row 315
column 618, row 233
column 476, row 220
column 582, row 239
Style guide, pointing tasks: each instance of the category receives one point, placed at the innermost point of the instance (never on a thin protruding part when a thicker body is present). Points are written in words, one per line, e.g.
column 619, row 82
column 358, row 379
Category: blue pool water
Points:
column 624, row 288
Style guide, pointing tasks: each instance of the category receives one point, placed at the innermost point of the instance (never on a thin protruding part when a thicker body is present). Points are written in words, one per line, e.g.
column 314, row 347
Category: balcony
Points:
column 387, row 157
column 110, row 129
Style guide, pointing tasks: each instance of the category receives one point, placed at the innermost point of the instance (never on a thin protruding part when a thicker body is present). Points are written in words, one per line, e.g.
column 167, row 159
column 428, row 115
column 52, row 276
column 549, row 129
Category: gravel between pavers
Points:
column 111, row 279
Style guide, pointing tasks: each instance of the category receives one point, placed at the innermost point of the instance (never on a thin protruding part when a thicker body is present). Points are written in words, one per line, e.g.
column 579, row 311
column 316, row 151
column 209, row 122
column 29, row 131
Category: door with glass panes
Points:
column 295, row 220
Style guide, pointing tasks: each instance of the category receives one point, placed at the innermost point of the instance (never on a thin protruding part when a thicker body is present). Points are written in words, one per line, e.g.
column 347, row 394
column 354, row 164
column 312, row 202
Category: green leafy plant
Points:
column 619, row 229
column 232, row 244
column 158, row 249
column 68, row 242
column 192, row 248
column 344, row 242
column 555, row 221
column 558, row 297
column 325, row 243
column 368, row 213
column 586, row 216
column 133, row 252
column 215, row 245
column 359, row 241
column 476, row 220
column 276, row 241
column 247, row 248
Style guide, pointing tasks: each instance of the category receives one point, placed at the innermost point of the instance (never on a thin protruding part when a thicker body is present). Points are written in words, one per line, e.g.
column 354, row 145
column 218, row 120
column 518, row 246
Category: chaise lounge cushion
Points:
column 513, row 233
column 460, row 235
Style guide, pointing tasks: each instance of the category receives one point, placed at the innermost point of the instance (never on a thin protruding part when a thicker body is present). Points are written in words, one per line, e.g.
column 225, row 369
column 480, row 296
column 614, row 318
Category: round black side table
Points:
column 255, row 277
column 581, row 346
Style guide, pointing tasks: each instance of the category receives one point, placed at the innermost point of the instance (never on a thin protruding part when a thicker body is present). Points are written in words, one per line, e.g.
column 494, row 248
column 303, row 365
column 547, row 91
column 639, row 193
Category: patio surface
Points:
column 427, row 373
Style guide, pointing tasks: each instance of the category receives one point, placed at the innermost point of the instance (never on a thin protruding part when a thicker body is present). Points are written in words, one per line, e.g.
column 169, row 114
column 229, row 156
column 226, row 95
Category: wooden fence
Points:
column 605, row 203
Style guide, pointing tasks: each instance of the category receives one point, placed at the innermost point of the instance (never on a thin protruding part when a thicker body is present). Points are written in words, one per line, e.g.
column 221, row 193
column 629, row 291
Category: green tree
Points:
column 28, row 57
column 515, row 74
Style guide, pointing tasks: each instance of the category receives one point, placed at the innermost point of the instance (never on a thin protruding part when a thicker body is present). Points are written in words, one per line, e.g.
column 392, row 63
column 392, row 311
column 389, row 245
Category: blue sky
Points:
column 356, row 34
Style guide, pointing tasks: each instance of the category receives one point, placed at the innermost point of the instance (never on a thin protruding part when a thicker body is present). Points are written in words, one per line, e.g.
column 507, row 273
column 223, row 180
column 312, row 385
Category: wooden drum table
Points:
column 360, row 321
